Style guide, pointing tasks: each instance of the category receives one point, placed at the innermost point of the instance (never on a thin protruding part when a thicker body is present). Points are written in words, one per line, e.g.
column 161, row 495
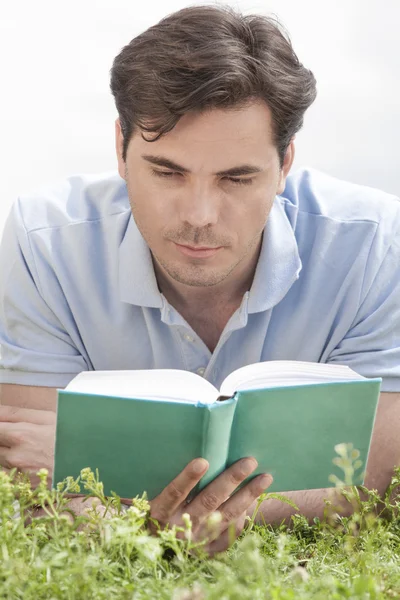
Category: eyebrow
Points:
column 162, row 161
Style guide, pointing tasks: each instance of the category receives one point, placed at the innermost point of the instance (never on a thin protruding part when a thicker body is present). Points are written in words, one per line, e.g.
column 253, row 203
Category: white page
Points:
column 157, row 384
column 285, row 373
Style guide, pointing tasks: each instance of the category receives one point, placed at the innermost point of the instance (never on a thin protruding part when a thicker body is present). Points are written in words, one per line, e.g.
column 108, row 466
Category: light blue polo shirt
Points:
column 78, row 291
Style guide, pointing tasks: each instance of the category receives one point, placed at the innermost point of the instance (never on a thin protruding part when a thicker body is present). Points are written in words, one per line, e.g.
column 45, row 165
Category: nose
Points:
column 199, row 206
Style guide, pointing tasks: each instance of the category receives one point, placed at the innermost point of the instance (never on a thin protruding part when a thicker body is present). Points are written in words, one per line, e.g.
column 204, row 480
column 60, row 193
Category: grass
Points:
column 114, row 556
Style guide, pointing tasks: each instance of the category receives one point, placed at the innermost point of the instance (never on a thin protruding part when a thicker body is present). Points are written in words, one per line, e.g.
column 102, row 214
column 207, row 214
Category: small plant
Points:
column 111, row 553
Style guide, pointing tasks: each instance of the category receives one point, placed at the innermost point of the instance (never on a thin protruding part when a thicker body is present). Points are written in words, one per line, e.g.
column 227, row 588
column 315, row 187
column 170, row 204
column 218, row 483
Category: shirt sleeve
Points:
column 372, row 345
column 36, row 349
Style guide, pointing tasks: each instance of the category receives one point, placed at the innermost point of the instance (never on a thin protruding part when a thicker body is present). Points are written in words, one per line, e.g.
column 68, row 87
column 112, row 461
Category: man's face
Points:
column 201, row 224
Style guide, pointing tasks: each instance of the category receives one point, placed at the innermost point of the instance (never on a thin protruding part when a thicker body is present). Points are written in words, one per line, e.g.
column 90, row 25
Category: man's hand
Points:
column 169, row 506
column 27, row 438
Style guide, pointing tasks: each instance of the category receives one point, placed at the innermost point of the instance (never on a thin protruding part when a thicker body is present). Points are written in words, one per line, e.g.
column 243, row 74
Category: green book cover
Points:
column 137, row 445
column 292, row 431
column 142, row 444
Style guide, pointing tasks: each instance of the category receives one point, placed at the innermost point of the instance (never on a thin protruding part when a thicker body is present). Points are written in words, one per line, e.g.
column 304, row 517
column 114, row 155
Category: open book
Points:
column 141, row 428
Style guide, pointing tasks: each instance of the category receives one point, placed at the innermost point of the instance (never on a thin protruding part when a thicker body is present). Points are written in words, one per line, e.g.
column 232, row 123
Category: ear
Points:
column 119, row 142
column 287, row 165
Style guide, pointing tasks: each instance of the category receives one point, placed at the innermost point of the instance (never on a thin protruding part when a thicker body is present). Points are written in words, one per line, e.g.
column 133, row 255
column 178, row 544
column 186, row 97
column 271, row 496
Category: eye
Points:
column 237, row 181
column 234, row 180
column 163, row 173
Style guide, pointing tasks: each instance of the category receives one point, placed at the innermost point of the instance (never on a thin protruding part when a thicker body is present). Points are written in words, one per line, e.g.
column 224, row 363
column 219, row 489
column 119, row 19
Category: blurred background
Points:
column 57, row 113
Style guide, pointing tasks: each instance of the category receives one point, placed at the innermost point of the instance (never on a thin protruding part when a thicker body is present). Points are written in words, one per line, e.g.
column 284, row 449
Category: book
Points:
column 141, row 428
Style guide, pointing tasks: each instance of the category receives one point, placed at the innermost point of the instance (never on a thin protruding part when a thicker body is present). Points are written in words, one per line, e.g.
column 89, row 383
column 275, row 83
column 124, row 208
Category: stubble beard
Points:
column 194, row 275
column 204, row 276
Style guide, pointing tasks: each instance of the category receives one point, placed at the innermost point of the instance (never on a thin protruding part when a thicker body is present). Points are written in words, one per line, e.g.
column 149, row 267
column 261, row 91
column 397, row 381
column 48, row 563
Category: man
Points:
column 201, row 254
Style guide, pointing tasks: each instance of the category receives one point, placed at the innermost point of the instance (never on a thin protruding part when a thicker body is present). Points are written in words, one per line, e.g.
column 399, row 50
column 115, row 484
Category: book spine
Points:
column 216, row 435
column 206, row 433
column 203, row 450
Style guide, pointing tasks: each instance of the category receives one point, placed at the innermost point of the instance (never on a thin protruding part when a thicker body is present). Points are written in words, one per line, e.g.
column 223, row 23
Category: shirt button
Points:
column 201, row 371
column 189, row 338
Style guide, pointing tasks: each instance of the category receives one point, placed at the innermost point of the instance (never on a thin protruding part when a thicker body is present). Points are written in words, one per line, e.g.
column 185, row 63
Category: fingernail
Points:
column 265, row 481
column 199, row 466
column 248, row 465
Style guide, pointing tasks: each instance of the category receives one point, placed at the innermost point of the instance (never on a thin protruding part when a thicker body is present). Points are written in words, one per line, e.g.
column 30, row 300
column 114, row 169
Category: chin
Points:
column 195, row 276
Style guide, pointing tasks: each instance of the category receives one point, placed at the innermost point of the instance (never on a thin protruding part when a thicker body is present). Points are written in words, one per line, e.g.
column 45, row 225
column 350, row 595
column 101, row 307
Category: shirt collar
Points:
column 137, row 281
column 279, row 262
column 278, row 266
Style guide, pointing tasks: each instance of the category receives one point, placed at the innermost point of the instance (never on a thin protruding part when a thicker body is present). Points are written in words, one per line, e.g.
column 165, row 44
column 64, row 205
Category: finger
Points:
column 17, row 434
column 5, row 461
column 239, row 502
column 6, row 465
column 14, row 414
column 7, row 471
column 227, row 537
column 8, row 435
column 219, row 490
column 167, row 503
column 16, row 476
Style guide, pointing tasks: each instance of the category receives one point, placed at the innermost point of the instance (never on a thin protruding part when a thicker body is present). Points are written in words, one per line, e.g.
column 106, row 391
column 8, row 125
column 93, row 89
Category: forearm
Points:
column 383, row 457
column 310, row 503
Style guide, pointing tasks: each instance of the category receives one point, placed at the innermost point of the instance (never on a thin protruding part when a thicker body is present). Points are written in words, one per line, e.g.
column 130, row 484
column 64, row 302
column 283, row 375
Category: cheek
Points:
column 154, row 215
column 148, row 205
column 250, row 214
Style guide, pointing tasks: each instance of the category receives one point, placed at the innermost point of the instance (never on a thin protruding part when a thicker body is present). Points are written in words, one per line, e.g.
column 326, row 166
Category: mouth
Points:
column 198, row 251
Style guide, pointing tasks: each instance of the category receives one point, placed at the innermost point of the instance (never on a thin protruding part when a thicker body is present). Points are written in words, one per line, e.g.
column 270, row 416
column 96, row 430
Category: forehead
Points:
column 240, row 133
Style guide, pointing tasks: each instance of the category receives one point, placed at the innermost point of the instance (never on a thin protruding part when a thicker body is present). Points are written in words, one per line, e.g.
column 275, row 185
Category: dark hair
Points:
column 204, row 57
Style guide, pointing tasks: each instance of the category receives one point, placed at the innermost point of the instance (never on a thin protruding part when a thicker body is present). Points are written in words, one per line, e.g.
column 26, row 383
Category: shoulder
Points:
column 76, row 199
column 311, row 193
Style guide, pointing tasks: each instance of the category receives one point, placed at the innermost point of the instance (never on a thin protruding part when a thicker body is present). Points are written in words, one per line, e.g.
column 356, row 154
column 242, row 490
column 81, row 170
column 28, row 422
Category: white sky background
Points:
column 57, row 114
